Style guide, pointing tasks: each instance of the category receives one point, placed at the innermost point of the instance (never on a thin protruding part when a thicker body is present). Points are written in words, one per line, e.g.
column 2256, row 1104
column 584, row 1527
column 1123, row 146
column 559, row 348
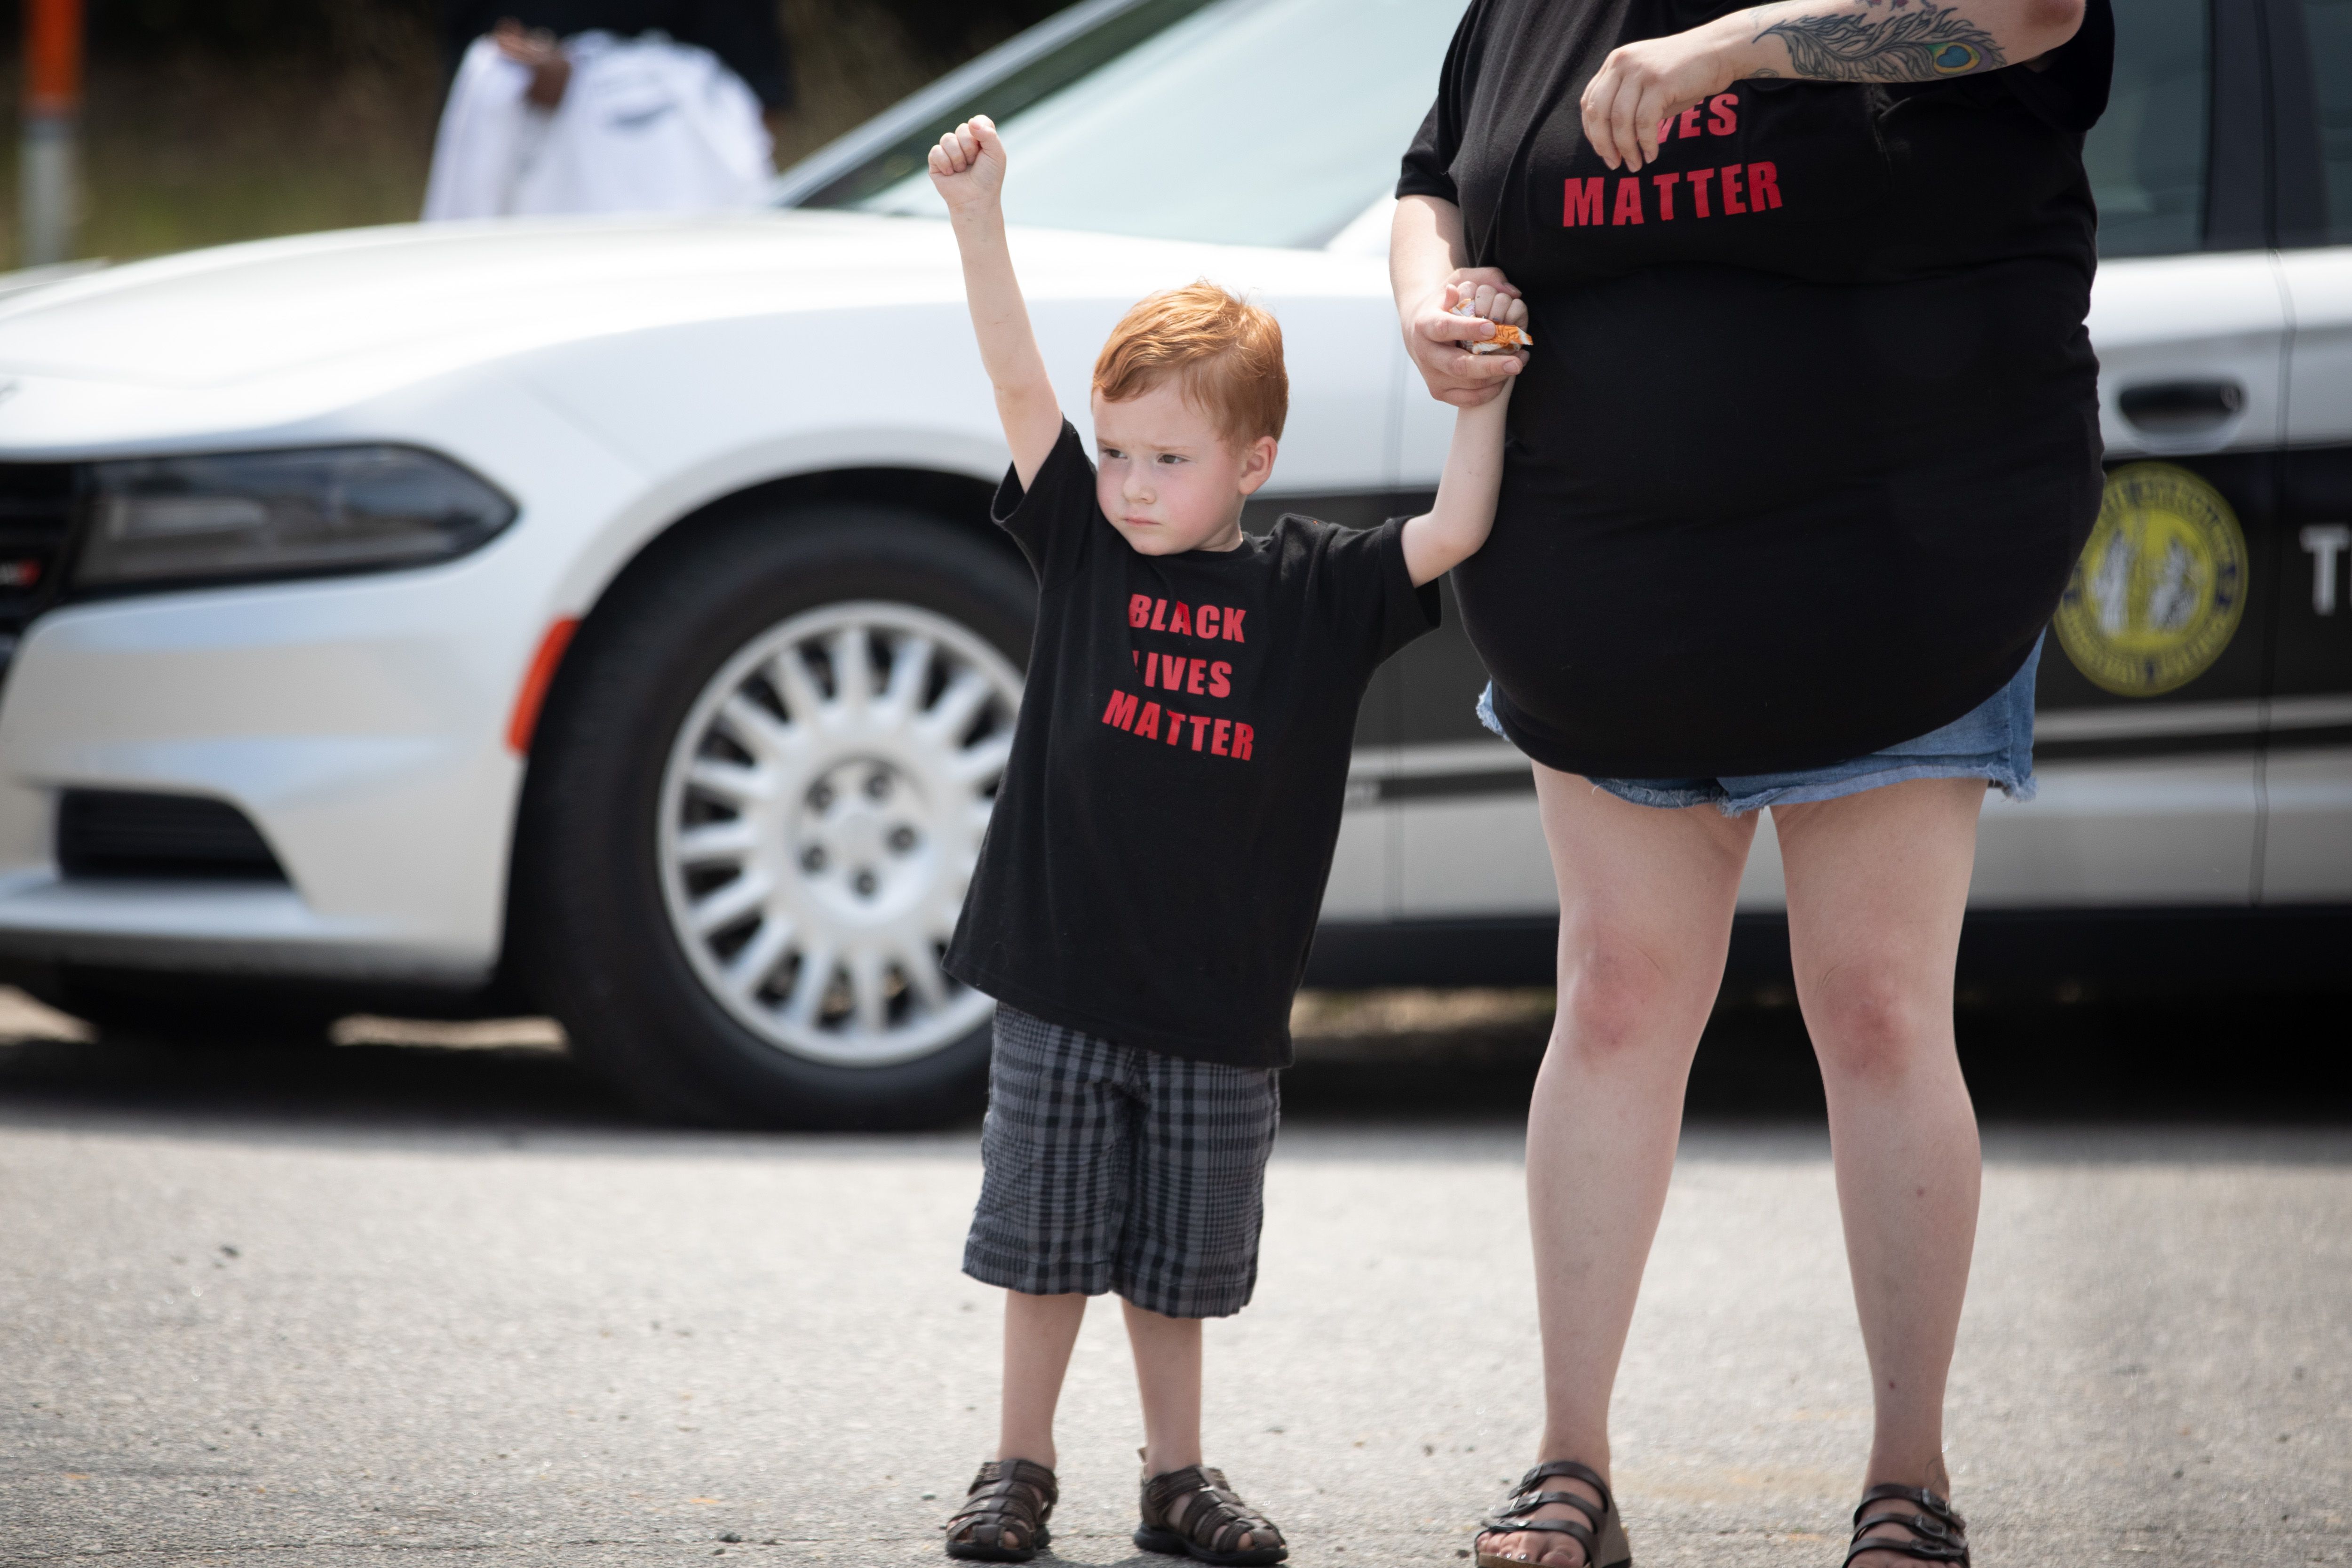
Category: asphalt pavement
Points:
column 432, row 1303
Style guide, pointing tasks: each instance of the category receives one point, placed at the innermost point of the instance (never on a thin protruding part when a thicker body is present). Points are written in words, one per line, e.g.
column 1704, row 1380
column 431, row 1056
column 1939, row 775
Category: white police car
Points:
column 603, row 617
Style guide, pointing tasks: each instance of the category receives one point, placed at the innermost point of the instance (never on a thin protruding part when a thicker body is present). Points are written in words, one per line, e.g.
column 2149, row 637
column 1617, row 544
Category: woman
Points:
column 1806, row 448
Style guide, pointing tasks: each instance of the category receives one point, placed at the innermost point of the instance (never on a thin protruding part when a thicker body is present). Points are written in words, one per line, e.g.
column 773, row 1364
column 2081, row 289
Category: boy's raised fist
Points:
column 967, row 165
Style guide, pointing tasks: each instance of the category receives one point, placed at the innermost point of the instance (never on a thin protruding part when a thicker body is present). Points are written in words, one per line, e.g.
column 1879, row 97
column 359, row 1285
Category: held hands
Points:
column 1456, row 528
column 967, row 166
column 1505, row 314
column 1438, row 337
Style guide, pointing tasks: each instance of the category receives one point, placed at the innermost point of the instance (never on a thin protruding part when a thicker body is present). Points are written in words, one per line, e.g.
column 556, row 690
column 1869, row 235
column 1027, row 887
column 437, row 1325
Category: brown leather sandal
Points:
column 1195, row 1512
column 1601, row 1533
column 1005, row 1512
column 1938, row 1534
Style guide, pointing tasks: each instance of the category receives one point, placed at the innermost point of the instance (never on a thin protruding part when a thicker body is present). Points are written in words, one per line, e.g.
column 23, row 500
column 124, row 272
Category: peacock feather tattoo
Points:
column 1897, row 44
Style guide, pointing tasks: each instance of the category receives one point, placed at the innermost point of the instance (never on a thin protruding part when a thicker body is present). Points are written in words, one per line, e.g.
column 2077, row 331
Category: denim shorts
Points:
column 1993, row 741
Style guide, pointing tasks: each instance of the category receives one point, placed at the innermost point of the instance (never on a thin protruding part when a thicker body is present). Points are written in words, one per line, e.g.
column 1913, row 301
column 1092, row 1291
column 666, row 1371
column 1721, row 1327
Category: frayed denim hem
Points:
column 1675, row 795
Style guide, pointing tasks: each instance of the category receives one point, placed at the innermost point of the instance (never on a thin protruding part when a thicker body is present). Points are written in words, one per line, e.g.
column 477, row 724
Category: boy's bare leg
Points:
column 1039, row 1332
column 1168, row 1376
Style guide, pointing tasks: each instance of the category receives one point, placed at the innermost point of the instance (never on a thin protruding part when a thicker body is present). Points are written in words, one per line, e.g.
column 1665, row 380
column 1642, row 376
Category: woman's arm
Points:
column 1642, row 84
column 1426, row 254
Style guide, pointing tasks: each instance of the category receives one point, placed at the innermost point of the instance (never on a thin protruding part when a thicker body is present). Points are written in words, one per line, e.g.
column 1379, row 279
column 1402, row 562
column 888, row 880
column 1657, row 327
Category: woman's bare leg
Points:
column 1877, row 883
column 1646, row 918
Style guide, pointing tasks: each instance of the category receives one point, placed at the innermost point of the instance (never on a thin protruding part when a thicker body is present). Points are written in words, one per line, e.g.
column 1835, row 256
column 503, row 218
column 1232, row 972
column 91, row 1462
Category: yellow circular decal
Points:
column 2158, row 593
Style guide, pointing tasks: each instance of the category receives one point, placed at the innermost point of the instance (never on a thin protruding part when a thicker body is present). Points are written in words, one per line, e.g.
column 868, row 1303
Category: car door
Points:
column 2307, row 753
column 2148, row 721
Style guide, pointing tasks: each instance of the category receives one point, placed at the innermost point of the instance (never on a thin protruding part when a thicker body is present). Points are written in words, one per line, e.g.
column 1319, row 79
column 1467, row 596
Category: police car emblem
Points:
column 2157, row 592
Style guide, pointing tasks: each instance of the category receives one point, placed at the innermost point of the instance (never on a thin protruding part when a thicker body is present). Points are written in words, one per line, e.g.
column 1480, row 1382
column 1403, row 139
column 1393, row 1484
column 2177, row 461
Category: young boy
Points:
column 1157, row 854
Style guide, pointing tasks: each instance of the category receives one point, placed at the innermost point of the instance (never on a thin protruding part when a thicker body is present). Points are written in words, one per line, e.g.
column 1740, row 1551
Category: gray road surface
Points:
column 285, row 1328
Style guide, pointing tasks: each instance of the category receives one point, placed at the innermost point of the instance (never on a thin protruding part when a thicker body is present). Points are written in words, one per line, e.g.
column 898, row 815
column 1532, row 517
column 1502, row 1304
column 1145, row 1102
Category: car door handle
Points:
column 2182, row 407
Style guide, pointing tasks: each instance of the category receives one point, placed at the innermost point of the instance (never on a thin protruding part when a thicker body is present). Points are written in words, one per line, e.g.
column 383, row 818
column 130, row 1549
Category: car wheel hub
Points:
column 864, row 853
column 821, row 813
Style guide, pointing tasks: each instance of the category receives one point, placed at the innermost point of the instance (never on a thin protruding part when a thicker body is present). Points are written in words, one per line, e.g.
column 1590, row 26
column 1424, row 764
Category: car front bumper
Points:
column 359, row 722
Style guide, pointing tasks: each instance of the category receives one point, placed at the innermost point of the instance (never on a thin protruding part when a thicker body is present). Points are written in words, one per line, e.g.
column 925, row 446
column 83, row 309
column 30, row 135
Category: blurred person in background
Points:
column 606, row 106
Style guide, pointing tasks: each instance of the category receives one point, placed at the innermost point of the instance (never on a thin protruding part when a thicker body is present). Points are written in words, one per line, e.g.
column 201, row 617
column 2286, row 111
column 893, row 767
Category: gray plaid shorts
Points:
column 1109, row 1167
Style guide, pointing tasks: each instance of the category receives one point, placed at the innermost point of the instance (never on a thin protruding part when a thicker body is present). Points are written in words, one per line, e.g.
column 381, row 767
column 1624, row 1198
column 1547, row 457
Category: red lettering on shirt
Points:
column 1151, row 669
column 1628, row 201
column 1217, row 739
column 1158, row 614
column 1666, row 129
column 1182, row 621
column 1200, row 728
column 1139, row 609
column 1207, row 620
column 1665, row 183
column 1583, row 208
column 1147, row 723
column 1690, row 119
column 1175, row 726
column 1233, row 632
column 1199, row 667
column 1135, row 657
column 1698, row 181
column 1731, row 201
column 1219, row 686
column 1764, row 185
column 1241, row 733
column 1722, row 121
column 1121, row 710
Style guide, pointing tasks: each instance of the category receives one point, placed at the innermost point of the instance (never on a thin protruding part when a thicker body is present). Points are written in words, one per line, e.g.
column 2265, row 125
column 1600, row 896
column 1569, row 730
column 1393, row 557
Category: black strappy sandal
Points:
column 1603, row 1538
column 1938, row 1534
column 1195, row 1512
column 1009, row 1497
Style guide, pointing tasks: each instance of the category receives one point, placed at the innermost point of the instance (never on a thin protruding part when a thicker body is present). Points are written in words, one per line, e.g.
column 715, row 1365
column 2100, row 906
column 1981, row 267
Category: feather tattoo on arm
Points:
column 1897, row 44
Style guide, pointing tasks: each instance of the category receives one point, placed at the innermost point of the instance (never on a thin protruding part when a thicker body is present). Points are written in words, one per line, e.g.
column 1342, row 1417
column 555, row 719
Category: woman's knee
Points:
column 1875, row 1023
column 1615, row 996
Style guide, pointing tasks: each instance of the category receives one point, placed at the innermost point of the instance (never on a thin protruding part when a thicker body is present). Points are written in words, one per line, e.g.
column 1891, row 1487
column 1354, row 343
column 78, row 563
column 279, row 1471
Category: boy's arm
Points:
column 1453, row 530
column 968, row 168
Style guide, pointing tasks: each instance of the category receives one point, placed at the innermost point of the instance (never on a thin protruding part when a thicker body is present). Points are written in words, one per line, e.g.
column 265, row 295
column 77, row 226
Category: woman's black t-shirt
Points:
column 1810, row 440
column 1157, row 852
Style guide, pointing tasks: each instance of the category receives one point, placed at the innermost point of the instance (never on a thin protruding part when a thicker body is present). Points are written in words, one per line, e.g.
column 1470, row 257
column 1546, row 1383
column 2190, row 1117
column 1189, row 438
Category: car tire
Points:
column 739, row 856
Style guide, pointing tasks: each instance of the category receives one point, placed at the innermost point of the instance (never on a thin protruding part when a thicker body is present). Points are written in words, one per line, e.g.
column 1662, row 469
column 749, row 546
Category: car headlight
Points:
column 240, row 516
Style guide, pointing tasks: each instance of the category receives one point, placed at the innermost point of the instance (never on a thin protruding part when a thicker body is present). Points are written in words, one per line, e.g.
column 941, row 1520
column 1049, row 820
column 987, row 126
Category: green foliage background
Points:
column 211, row 121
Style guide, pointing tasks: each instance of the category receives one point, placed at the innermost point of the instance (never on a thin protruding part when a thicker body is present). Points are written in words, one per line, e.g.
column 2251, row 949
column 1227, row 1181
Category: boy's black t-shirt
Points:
column 1810, row 440
column 1156, row 858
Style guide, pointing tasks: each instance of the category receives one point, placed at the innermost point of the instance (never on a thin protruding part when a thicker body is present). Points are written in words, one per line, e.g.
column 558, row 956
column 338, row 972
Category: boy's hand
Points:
column 967, row 165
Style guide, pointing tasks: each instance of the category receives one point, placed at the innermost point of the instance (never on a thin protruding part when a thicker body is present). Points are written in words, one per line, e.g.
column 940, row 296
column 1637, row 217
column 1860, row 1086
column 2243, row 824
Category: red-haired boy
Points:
column 1157, row 849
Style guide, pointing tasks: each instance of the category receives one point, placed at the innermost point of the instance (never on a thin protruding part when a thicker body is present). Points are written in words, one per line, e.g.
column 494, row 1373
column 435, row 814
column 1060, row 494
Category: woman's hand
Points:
column 1426, row 255
column 1642, row 85
column 1438, row 339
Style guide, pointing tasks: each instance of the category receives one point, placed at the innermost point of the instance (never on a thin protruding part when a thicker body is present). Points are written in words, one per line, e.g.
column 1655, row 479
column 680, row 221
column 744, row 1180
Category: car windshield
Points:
column 1240, row 122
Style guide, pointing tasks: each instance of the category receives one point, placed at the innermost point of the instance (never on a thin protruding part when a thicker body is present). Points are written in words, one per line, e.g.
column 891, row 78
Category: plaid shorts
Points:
column 1109, row 1167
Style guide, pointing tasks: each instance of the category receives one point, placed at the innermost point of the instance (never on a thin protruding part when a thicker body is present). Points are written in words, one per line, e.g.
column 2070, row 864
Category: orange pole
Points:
column 47, row 194
column 52, row 49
